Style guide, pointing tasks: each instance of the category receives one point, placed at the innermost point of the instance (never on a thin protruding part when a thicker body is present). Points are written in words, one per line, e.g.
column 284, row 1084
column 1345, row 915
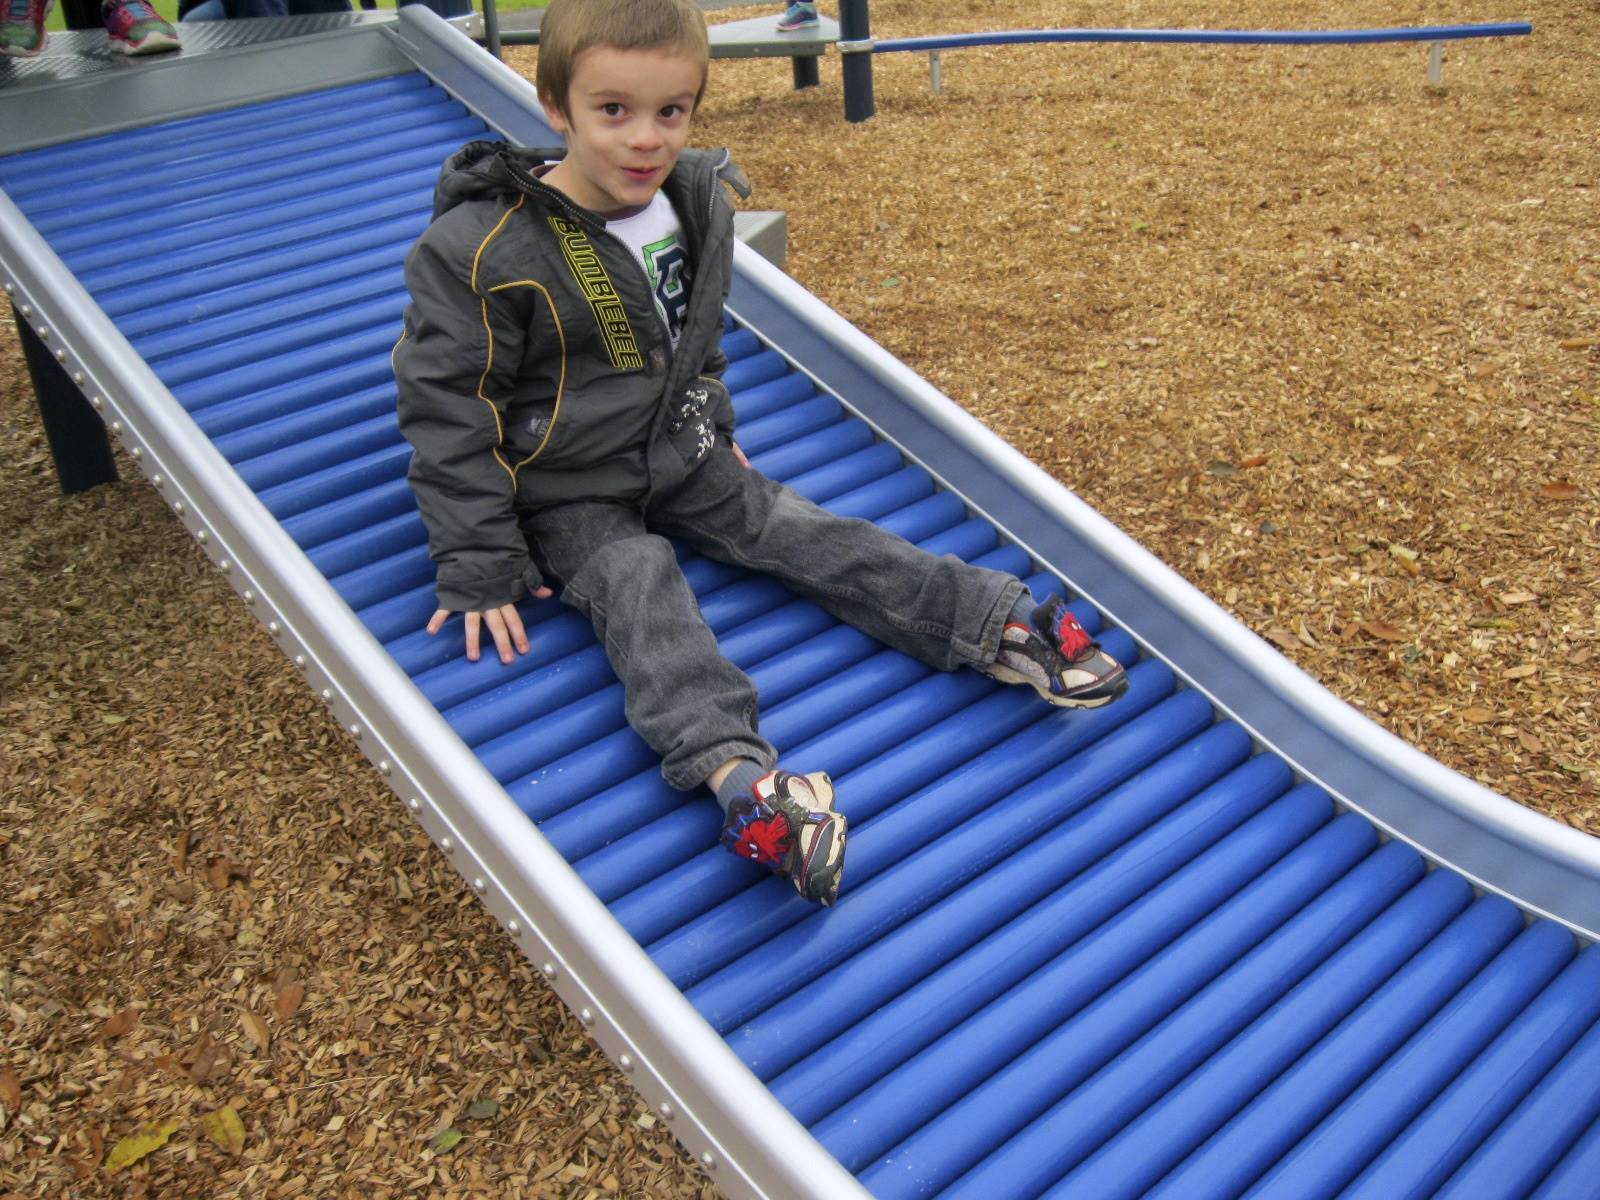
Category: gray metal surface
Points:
column 79, row 88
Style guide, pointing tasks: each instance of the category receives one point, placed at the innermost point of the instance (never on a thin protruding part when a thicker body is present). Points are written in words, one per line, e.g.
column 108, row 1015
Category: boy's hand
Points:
column 505, row 626
column 739, row 454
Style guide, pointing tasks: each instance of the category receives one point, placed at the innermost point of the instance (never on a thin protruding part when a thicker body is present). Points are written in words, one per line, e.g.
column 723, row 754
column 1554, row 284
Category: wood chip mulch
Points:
column 1322, row 337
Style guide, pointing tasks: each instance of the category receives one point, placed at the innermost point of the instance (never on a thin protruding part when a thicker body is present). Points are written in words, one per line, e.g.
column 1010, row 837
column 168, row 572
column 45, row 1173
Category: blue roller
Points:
column 1469, row 1110
column 1575, row 1174
column 712, row 875
column 1085, row 1118
column 992, row 813
column 1550, row 1121
column 754, row 370
column 394, row 93
column 1332, row 1155
column 1061, row 1055
column 1289, row 1106
column 332, row 418
column 781, row 1034
column 325, row 469
column 1162, row 1134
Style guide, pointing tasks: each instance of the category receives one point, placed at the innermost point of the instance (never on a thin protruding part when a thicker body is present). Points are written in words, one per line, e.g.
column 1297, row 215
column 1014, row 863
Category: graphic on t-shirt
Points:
column 667, row 264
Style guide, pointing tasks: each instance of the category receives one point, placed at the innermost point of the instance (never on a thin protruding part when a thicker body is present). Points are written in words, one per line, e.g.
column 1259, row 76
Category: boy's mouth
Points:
column 642, row 174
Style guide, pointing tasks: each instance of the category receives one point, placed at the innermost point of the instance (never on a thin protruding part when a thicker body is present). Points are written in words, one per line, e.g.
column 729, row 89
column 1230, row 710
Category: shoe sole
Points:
column 156, row 43
column 822, row 879
column 1080, row 700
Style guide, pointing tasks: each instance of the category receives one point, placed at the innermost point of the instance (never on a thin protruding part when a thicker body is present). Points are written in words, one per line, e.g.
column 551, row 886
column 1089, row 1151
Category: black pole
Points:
column 855, row 45
column 75, row 432
column 491, row 27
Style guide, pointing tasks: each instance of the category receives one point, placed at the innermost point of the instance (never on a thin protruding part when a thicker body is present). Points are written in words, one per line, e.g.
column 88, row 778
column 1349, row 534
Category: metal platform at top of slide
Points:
column 1224, row 936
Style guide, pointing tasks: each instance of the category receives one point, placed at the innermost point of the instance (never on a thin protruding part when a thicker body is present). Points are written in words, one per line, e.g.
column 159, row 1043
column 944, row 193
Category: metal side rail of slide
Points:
column 1222, row 937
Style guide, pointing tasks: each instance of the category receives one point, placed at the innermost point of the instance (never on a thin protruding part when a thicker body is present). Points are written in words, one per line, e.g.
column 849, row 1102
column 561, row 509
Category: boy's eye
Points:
column 673, row 111
column 612, row 110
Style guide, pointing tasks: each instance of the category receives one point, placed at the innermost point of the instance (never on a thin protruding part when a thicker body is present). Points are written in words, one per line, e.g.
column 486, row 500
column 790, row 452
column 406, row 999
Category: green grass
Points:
column 169, row 9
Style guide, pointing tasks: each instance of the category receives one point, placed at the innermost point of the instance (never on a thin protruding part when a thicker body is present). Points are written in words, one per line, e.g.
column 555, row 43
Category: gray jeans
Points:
column 694, row 707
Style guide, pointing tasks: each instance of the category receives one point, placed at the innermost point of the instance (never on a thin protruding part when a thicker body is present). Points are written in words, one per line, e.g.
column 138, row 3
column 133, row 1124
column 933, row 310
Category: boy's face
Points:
column 626, row 121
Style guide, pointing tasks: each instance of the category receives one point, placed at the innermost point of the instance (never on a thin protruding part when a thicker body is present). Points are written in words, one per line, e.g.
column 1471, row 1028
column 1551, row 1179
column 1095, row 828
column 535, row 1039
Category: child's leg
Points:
column 695, row 708
column 941, row 610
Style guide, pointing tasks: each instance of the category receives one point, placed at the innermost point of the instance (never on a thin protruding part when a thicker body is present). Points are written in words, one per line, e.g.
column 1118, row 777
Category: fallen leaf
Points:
column 1388, row 460
column 1222, row 470
column 1283, row 639
column 120, row 1024
column 210, row 1061
column 1521, row 672
column 1490, row 623
column 1255, row 460
column 480, row 1110
column 180, row 852
column 225, row 1129
column 1560, row 490
column 255, row 1028
column 1304, row 634
column 10, row 1090
column 1478, row 716
column 217, row 873
column 1530, row 743
column 1579, row 343
column 1383, row 631
column 288, row 1000
column 145, row 1140
column 1518, row 597
column 444, row 1142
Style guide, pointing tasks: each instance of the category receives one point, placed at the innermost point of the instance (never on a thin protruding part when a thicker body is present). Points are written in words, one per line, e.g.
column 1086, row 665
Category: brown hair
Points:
column 570, row 27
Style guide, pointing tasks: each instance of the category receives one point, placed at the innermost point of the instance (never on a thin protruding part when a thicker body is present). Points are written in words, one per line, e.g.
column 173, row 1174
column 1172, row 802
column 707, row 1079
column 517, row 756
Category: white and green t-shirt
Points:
column 655, row 236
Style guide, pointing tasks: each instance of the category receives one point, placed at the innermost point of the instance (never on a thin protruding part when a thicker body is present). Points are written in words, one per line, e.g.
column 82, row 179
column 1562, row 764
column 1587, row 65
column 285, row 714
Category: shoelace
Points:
column 139, row 10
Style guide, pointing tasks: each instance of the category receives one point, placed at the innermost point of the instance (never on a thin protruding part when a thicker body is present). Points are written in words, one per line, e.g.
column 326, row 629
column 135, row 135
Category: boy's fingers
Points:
column 543, row 593
column 472, row 620
column 436, row 622
column 497, row 628
column 513, row 620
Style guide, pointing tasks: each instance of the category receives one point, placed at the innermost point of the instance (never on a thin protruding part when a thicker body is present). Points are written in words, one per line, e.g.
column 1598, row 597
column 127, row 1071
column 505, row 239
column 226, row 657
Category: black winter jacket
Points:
column 533, row 369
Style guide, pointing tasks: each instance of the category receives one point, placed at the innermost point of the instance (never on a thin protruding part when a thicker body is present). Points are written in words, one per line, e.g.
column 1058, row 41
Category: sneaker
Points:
column 22, row 32
column 1057, row 658
column 135, row 27
column 789, row 825
column 798, row 16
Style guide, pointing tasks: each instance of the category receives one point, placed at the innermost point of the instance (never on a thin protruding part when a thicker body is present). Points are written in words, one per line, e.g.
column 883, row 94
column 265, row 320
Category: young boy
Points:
column 559, row 382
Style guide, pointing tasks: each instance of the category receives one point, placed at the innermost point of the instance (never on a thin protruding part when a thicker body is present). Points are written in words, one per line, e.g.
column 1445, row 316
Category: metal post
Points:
column 935, row 72
column 805, row 71
column 75, row 432
column 491, row 28
column 1435, row 63
column 855, row 45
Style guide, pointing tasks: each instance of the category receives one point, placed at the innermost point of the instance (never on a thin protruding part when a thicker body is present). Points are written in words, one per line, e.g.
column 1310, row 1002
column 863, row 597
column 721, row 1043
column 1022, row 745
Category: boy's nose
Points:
column 643, row 135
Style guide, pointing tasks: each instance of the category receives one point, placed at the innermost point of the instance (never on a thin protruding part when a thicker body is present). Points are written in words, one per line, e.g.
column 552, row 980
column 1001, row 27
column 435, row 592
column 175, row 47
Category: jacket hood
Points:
column 481, row 170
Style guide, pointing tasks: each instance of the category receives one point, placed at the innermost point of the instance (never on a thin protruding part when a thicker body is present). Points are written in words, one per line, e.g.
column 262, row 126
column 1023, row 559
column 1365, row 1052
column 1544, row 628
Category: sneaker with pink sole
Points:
column 135, row 27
